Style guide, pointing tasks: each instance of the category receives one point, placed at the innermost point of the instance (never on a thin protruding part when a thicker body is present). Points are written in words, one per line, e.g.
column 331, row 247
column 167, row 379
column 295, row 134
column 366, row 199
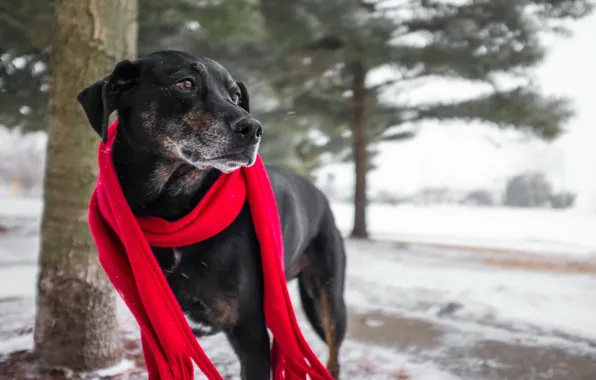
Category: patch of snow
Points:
column 536, row 230
column 19, row 343
column 20, row 207
column 117, row 369
column 198, row 326
column 17, row 281
column 370, row 322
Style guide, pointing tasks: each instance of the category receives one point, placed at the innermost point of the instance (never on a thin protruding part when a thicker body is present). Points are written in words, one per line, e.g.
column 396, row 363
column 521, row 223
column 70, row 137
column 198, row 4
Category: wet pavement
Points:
column 480, row 357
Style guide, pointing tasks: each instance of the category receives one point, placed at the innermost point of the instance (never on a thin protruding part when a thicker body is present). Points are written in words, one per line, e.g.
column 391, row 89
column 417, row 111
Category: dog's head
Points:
column 178, row 106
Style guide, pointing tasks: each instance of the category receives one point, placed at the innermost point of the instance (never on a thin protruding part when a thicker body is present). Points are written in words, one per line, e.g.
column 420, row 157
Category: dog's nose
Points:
column 248, row 128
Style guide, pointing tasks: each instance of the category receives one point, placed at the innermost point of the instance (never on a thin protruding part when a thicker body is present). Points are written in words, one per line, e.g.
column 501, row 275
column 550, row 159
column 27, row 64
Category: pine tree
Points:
column 331, row 48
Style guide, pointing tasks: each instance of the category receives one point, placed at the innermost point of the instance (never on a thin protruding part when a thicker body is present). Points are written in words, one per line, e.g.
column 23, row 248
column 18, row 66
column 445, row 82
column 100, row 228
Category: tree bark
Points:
column 359, row 147
column 76, row 324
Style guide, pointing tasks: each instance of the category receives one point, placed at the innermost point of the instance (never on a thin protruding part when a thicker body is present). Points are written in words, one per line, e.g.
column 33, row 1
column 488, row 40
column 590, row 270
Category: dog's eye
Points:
column 185, row 85
column 236, row 97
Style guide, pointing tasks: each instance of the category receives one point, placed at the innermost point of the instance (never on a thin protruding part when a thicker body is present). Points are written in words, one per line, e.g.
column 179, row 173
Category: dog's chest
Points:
column 206, row 287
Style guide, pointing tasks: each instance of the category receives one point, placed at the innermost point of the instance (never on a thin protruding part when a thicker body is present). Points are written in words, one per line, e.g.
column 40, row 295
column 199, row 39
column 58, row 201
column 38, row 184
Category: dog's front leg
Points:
column 251, row 343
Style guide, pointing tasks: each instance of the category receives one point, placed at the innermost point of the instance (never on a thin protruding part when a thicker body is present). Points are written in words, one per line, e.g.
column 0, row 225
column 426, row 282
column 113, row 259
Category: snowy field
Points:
column 565, row 232
column 438, row 296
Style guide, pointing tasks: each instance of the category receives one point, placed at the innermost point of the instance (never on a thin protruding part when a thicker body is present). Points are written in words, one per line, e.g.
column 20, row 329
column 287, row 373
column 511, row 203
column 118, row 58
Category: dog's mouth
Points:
column 232, row 161
column 240, row 157
column 226, row 163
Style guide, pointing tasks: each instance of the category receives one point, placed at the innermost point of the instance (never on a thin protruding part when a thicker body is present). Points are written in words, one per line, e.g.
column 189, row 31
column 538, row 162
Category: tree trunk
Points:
column 76, row 324
column 360, row 152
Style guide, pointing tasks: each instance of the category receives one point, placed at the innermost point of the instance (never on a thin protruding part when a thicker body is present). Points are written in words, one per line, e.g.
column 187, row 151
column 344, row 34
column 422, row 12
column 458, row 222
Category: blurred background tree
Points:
column 332, row 47
column 312, row 67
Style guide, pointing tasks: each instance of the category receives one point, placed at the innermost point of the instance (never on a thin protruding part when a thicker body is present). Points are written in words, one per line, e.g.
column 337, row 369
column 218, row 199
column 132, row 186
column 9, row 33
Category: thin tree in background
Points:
column 76, row 325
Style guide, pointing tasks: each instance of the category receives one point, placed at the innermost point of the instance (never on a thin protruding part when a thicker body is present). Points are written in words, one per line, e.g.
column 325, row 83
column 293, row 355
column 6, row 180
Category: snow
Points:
column 567, row 232
column 460, row 301
column 19, row 208
column 406, row 281
column 24, row 342
column 120, row 367
column 546, row 231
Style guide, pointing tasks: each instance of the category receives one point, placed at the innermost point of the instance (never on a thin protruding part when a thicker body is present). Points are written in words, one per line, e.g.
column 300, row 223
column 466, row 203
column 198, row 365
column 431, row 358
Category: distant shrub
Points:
column 562, row 200
column 479, row 198
column 530, row 189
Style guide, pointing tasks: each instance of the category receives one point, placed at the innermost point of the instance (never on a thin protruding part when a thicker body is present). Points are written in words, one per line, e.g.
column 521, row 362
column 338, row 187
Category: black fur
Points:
column 182, row 122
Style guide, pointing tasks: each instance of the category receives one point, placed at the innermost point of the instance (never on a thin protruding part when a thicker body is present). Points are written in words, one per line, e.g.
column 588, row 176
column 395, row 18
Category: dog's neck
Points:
column 157, row 186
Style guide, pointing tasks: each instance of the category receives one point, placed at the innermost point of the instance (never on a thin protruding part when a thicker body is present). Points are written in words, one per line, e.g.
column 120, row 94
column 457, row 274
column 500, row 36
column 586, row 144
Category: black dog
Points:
column 184, row 121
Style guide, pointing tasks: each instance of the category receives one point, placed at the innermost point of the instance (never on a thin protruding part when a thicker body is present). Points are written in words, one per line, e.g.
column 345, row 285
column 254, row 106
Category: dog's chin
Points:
column 229, row 163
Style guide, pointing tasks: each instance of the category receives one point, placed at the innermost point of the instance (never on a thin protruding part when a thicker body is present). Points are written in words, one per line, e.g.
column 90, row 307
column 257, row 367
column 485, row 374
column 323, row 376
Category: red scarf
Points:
column 123, row 242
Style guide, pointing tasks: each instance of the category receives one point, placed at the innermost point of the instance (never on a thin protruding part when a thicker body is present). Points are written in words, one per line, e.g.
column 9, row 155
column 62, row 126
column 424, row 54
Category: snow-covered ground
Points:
column 427, row 308
column 564, row 232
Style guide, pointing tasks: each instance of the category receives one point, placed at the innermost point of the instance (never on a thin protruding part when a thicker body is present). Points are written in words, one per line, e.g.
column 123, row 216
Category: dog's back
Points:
column 302, row 207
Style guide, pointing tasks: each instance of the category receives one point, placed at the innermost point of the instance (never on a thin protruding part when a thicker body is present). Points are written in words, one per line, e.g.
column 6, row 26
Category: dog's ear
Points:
column 90, row 100
column 103, row 97
column 244, row 98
